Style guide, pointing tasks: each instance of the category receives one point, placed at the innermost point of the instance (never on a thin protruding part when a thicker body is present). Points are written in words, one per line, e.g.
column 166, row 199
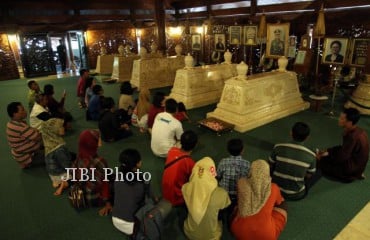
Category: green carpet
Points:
column 30, row 211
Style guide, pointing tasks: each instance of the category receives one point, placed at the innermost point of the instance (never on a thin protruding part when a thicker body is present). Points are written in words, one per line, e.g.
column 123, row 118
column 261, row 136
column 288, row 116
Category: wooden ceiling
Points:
column 49, row 15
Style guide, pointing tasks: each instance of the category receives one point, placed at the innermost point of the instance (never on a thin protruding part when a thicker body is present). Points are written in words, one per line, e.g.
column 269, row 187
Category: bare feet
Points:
column 63, row 185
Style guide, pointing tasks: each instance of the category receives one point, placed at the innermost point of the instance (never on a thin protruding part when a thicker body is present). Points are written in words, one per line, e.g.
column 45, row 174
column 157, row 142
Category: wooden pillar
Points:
column 253, row 7
column 161, row 25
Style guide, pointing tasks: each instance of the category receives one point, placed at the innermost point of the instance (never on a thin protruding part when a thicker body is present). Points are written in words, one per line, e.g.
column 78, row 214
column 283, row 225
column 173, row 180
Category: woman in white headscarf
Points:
column 261, row 213
column 204, row 199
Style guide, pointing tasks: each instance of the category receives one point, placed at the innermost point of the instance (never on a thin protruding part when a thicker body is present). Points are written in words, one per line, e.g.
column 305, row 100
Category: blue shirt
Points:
column 230, row 170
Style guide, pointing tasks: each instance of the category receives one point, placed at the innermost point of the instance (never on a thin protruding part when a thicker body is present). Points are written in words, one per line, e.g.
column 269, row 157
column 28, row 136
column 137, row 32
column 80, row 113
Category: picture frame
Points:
column 292, row 46
column 250, row 35
column 305, row 42
column 300, row 58
column 235, row 33
column 335, row 50
column 277, row 40
column 359, row 50
column 220, row 42
column 196, row 43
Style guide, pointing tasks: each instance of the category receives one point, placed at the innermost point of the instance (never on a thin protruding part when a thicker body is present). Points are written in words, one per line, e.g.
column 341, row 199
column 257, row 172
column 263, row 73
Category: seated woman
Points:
column 157, row 107
column 57, row 108
column 129, row 194
column 261, row 212
column 109, row 123
column 204, row 199
column 97, row 192
column 140, row 115
column 94, row 107
column 40, row 111
column 125, row 99
column 57, row 156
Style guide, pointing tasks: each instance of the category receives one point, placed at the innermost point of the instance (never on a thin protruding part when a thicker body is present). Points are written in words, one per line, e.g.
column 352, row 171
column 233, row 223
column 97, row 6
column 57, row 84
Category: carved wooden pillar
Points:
column 161, row 25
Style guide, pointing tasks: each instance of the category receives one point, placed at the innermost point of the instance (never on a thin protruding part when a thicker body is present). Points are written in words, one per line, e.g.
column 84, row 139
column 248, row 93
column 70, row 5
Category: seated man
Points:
column 25, row 141
column 167, row 130
column 293, row 164
column 347, row 162
column 110, row 127
column 178, row 168
column 40, row 111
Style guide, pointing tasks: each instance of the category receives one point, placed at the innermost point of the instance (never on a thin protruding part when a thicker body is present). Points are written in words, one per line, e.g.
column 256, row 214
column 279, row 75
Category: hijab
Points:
column 197, row 192
column 143, row 104
column 254, row 190
column 88, row 144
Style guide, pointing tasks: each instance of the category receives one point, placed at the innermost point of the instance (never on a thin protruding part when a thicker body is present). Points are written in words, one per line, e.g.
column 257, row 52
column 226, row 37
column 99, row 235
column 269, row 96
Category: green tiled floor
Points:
column 30, row 211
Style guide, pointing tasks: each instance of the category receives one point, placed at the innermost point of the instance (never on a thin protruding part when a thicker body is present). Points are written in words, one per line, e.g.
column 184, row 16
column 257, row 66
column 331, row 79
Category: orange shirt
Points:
column 176, row 175
column 267, row 224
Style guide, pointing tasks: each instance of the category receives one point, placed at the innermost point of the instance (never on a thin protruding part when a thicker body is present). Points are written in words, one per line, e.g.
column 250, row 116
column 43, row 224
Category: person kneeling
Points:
column 109, row 124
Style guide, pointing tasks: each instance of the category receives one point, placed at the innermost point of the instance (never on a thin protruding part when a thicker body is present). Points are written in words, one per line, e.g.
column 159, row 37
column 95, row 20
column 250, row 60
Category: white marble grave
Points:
column 361, row 96
column 104, row 64
column 122, row 67
column 260, row 99
column 155, row 72
column 201, row 86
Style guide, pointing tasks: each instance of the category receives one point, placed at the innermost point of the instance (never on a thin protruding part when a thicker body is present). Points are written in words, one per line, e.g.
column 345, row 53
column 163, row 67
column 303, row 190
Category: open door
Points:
column 78, row 49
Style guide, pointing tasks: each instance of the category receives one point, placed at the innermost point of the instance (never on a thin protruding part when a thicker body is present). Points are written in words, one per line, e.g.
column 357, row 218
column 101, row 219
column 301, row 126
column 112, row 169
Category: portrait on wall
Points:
column 359, row 51
column 195, row 42
column 235, row 33
column 305, row 42
column 334, row 50
column 220, row 42
column 277, row 40
column 292, row 46
column 250, row 35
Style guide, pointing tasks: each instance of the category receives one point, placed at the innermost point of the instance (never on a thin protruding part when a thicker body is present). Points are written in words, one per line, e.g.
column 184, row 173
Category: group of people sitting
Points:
column 248, row 197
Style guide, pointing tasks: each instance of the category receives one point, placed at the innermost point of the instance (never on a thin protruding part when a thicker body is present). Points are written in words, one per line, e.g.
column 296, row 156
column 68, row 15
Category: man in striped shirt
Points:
column 293, row 164
column 25, row 141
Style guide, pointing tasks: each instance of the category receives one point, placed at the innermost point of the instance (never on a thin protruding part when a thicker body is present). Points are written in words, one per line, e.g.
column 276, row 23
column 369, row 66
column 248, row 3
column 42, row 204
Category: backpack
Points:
column 151, row 217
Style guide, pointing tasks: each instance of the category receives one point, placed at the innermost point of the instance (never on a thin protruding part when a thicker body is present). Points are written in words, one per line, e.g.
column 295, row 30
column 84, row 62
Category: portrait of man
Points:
column 250, row 34
column 196, row 42
column 220, row 42
column 334, row 50
column 277, row 44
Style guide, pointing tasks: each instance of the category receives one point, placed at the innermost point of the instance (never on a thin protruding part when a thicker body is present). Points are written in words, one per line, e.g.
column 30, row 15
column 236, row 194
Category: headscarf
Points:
column 197, row 192
column 88, row 144
column 143, row 104
column 253, row 191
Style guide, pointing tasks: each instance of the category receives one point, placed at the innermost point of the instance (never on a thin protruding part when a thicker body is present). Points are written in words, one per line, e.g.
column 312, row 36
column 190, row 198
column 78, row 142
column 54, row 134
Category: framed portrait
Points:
column 277, row 40
column 359, row 50
column 220, row 42
column 292, row 46
column 334, row 50
column 250, row 35
column 196, row 43
column 235, row 34
column 305, row 42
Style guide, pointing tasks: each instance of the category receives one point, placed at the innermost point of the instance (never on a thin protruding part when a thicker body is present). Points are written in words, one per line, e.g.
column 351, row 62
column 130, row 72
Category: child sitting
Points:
column 181, row 114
